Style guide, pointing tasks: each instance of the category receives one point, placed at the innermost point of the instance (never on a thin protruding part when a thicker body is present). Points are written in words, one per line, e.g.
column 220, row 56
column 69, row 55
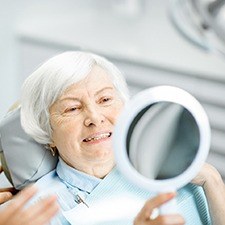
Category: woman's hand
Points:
column 207, row 175
column 214, row 188
column 38, row 214
column 5, row 193
column 144, row 216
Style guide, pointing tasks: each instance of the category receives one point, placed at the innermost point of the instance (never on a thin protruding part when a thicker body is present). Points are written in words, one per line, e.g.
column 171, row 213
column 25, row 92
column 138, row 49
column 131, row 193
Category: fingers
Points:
column 26, row 194
column 9, row 189
column 5, row 196
column 38, row 214
column 143, row 218
column 175, row 219
column 155, row 203
column 20, row 200
column 46, row 216
column 43, row 211
column 42, row 206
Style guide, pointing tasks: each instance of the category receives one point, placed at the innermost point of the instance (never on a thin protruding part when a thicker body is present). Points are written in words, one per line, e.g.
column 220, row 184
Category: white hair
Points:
column 45, row 85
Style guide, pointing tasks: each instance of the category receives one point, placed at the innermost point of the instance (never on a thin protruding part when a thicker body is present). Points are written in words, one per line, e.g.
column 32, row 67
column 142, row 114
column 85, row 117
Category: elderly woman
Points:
column 71, row 104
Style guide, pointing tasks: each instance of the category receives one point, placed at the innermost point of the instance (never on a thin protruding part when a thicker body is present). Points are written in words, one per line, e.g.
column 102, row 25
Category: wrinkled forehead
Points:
column 96, row 78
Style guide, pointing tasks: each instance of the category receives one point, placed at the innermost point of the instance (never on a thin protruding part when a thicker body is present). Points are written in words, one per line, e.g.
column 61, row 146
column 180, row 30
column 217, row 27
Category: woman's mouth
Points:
column 98, row 137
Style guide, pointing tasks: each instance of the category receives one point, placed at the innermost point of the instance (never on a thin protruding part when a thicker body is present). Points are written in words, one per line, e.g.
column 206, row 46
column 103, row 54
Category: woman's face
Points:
column 82, row 120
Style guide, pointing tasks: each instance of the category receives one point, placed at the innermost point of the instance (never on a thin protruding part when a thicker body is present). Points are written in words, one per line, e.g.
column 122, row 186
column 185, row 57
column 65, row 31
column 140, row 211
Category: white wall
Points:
column 94, row 25
column 8, row 63
column 12, row 15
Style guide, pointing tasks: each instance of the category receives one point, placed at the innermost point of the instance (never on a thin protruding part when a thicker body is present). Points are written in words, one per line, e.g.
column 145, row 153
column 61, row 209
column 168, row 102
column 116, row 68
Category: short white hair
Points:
column 45, row 85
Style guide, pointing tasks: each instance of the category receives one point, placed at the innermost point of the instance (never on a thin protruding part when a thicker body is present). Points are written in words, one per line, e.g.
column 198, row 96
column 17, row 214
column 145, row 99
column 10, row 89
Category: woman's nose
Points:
column 93, row 117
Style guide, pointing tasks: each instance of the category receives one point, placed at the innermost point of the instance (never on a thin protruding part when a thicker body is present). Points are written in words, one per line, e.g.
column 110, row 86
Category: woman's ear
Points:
column 52, row 148
column 52, row 145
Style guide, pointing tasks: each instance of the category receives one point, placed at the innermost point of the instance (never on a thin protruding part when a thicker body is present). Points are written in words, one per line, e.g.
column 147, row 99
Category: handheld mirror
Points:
column 161, row 140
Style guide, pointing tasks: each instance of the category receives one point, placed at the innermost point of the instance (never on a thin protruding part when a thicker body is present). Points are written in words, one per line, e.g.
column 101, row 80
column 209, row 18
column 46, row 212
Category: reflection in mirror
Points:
column 162, row 140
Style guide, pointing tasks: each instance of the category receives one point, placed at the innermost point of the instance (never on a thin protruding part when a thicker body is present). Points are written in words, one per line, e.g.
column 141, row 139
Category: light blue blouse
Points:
column 72, row 187
column 68, row 184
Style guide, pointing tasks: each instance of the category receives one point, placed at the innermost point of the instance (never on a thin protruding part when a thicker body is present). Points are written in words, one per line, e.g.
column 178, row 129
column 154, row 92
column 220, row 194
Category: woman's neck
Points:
column 98, row 171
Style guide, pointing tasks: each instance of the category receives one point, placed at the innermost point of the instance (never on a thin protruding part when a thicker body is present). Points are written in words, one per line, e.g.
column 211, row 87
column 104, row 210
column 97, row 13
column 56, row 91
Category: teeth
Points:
column 101, row 136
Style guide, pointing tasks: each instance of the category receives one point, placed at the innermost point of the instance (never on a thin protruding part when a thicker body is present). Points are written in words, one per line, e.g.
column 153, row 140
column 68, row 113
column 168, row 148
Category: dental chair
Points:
column 23, row 160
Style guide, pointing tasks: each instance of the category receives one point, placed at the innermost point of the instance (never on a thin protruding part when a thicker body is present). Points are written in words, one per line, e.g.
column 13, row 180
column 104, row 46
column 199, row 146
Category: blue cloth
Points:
column 68, row 183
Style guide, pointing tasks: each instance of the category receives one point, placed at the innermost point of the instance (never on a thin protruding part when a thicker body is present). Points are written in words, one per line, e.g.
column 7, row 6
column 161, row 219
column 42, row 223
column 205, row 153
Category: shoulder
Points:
column 194, row 196
column 193, row 203
column 50, row 181
column 190, row 190
column 50, row 184
column 49, row 178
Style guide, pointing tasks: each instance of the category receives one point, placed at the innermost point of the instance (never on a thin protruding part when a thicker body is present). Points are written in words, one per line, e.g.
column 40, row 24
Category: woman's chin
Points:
column 101, row 154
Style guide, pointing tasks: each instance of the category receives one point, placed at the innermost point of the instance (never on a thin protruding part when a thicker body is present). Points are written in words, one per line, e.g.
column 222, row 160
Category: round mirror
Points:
column 161, row 139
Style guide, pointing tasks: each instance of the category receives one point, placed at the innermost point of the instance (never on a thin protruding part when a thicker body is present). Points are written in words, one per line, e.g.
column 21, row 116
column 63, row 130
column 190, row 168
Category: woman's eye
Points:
column 104, row 100
column 72, row 109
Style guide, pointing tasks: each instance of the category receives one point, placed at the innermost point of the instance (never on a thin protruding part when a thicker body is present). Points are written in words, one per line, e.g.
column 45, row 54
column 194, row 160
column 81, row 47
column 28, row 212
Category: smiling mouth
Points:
column 98, row 137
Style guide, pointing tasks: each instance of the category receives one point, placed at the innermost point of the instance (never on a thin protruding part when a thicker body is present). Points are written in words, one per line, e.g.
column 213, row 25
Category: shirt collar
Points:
column 76, row 179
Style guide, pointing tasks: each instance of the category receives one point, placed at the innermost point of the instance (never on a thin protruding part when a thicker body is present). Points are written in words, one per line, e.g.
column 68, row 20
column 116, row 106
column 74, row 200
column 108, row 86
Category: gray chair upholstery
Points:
column 23, row 159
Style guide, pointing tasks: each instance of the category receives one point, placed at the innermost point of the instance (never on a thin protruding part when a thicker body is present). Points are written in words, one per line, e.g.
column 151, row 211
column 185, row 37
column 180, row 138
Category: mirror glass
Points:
column 162, row 140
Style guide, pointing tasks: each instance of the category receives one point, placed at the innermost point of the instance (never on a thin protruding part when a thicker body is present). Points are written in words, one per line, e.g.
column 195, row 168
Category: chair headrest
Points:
column 25, row 159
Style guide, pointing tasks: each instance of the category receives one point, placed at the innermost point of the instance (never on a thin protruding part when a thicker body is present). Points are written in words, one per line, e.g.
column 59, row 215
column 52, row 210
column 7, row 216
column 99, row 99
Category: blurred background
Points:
column 141, row 37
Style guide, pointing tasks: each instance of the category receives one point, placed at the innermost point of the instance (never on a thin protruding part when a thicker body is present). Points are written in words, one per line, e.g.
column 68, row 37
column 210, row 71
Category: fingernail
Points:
column 171, row 194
